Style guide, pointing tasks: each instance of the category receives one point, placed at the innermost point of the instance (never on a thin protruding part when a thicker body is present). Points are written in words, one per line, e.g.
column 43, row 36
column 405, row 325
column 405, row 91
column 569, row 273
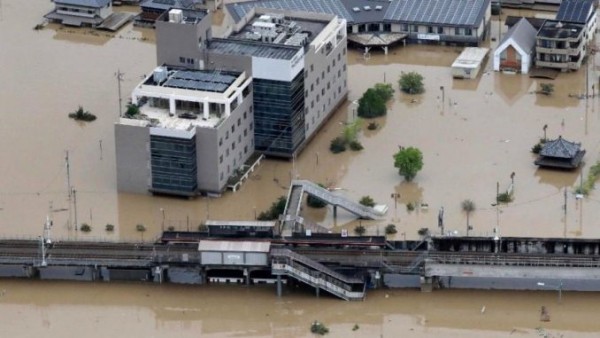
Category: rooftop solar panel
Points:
column 574, row 10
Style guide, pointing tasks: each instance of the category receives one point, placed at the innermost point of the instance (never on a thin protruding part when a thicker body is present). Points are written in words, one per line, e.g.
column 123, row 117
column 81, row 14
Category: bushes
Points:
column 390, row 229
column 337, row 145
column 356, row 146
column 590, row 181
column 360, row 230
column 276, row 209
column 372, row 103
column 85, row 227
column 110, row 228
column 319, row 328
column 537, row 148
column 82, row 115
column 411, row 83
column 367, row 201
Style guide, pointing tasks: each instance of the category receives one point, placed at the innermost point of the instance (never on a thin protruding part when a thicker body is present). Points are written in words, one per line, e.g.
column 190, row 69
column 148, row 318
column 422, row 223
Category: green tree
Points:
column 384, row 90
column 409, row 162
column 468, row 207
column 85, row 227
column 411, row 83
column 276, row 209
column 109, row 227
column 141, row 229
column 132, row 110
column 371, row 104
column 337, row 145
column 390, row 229
column 360, row 230
column 546, row 88
column 82, row 115
column 367, row 201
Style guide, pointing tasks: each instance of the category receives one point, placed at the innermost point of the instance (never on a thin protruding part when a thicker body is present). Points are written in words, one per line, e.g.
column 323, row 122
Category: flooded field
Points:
column 476, row 138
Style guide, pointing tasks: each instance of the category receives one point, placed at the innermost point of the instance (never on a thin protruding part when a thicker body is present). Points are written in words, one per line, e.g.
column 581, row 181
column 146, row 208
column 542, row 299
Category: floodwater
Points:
column 476, row 138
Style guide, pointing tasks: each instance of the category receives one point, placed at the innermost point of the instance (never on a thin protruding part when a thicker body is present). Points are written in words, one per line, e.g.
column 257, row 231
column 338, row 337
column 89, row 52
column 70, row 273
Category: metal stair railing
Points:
column 286, row 253
column 343, row 202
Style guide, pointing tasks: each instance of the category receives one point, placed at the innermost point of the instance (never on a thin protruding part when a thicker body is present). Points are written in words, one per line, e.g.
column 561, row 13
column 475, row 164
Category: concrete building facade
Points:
column 80, row 12
column 193, row 132
column 297, row 61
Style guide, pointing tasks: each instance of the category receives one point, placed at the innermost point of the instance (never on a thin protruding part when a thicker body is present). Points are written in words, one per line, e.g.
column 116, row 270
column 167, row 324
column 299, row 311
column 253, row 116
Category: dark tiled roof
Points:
column 574, row 10
column 335, row 7
column 86, row 3
column 168, row 4
column 560, row 148
column 251, row 48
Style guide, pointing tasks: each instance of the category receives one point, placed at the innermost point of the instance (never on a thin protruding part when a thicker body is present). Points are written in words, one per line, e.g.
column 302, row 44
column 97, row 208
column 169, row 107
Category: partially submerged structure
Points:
column 452, row 22
column 90, row 13
column 468, row 64
column 560, row 154
column 152, row 9
column 516, row 49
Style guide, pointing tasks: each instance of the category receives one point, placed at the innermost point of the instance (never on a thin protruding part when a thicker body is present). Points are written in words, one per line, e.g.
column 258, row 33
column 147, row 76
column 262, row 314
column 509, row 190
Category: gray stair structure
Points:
column 299, row 187
column 315, row 274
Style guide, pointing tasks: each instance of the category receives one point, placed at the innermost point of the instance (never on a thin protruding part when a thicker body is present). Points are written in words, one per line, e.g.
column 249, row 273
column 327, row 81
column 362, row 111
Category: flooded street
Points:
column 475, row 139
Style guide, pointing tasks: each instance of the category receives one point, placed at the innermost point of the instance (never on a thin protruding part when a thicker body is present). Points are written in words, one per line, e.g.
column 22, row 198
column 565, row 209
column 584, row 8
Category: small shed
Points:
column 234, row 253
column 468, row 64
column 516, row 49
column 561, row 154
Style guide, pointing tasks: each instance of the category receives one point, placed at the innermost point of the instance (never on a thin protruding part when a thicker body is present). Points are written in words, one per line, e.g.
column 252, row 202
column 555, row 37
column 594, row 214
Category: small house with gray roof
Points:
column 516, row 50
column 90, row 13
column 560, row 154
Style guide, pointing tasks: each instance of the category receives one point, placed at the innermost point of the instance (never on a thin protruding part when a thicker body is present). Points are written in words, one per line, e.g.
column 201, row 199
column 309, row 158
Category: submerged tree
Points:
column 82, row 115
column 468, row 207
column 411, row 83
column 409, row 162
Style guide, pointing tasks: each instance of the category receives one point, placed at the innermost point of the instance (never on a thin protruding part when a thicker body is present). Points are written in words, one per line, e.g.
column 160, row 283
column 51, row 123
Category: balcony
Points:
column 558, row 51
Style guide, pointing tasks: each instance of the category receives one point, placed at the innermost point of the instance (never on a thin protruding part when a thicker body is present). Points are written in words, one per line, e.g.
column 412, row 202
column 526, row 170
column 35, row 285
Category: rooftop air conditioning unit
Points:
column 176, row 16
column 159, row 75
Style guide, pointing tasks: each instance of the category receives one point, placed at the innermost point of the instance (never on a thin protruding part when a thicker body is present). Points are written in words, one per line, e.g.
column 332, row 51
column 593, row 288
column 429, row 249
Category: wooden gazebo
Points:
column 560, row 154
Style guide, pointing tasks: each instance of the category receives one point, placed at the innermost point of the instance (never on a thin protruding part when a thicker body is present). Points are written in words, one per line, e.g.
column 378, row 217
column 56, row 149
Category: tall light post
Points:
column 162, row 210
column 395, row 196
column 441, row 220
column 557, row 287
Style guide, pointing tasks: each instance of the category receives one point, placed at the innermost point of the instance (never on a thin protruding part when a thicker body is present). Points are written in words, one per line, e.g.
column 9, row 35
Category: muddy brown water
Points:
column 469, row 145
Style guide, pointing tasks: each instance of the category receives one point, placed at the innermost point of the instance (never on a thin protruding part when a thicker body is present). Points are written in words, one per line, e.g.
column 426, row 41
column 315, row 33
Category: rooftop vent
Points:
column 378, row 8
column 356, row 9
column 367, row 8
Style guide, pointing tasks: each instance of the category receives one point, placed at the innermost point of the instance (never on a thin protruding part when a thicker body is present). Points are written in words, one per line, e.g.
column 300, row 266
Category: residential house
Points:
column 581, row 12
column 89, row 13
column 560, row 154
column 516, row 50
column 561, row 45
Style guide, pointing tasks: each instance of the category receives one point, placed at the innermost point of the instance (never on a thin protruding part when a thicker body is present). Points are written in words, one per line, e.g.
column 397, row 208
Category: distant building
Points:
column 516, row 50
column 560, row 154
column 581, row 12
column 90, row 13
column 297, row 61
column 468, row 64
column 460, row 22
column 194, row 131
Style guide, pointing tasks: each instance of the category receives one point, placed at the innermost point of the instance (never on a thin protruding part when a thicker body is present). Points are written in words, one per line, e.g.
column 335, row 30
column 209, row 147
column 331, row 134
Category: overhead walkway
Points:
column 299, row 187
column 317, row 275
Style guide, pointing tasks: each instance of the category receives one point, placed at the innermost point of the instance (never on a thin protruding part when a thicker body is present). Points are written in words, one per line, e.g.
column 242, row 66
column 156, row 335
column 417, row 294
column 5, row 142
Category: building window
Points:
column 317, row 81
column 440, row 30
column 328, row 85
column 220, row 141
column 312, row 104
column 305, row 73
column 306, row 93
column 227, row 135
column 312, row 68
column 233, row 145
column 221, row 159
column 239, row 121
column 244, row 115
column 245, row 132
column 430, row 30
column 227, row 152
column 468, row 31
column 250, row 125
column 317, row 98
column 344, row 68
column 181, row 59
column 456, row 31
column 323, row 75
column 312, row 86
column 221, row 175
column 344, row 50
column 232, row 129
column 190, row 61
column 245, row 149
column 339, row 57
column 328, row 70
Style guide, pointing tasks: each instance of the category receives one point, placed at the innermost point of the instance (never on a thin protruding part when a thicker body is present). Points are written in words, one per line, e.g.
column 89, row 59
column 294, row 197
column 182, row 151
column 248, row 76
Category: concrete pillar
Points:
column 134, row 99
column 157, row 274
column 227, row 108
column 172, row 107
column 247, row 275
column 385, row 50
column 205, row 109
column 239, row 97
column 278, row 285
column 317, row 291
column 426, row 284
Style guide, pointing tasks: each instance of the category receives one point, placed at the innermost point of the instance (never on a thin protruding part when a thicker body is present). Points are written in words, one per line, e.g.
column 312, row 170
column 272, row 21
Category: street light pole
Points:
column 557, row 287
column 163, row 219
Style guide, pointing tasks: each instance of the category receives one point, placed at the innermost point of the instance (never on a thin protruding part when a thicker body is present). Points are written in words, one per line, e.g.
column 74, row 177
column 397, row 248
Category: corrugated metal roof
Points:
column 251, row 48
column 168, row 4
column 240, row 223
column 574, row 10
column 234, row 246
column 86, row 3
column 438, row 12
column 523, row 34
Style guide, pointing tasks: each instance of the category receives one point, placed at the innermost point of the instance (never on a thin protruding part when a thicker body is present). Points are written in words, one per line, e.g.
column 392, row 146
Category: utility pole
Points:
column 119, row 77
column 68, row 190
column 75, row 207
column 565, row 214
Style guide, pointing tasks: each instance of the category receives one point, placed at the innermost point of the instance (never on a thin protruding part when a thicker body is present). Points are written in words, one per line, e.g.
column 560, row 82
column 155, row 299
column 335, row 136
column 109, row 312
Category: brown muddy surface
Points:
column 468, row 146
column 63, row 309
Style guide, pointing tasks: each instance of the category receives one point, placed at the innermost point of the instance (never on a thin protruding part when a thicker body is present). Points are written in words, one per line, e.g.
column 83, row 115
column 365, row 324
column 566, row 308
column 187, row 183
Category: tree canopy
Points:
column 409, row 162
column 411, row 83
column 372, row 103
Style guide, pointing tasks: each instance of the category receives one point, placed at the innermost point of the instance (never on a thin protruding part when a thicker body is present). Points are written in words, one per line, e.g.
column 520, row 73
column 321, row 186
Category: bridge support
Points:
column 335, row 212
column 278, row 285
column 317, row 291
column 247, row 276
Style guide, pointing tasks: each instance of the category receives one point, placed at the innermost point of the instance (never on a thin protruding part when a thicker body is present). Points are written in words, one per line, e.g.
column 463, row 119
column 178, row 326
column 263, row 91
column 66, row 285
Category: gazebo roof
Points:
column 560, row 148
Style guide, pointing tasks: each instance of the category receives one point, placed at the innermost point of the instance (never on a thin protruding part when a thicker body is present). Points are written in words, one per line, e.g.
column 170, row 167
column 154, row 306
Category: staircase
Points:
column 304, row 186
column 292, row 209
column 315, row 274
